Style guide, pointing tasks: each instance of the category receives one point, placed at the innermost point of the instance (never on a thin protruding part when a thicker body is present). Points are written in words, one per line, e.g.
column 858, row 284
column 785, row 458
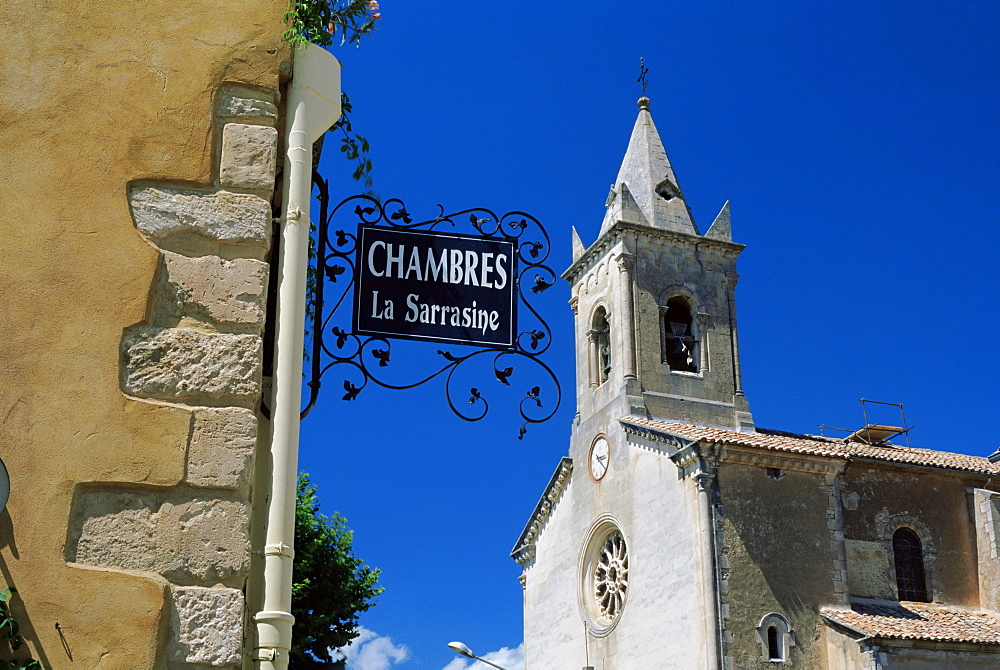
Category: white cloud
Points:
column 505, row 657
column 371, row 651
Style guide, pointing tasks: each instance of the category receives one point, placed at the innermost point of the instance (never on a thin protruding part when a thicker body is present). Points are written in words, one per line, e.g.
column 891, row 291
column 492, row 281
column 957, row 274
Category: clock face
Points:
column 599, row 454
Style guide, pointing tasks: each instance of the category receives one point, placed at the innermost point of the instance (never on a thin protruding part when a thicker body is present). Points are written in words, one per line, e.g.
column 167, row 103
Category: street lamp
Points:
column 463, row 650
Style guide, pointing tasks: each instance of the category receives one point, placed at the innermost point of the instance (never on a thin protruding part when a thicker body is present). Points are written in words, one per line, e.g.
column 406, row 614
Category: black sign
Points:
column 436, row 287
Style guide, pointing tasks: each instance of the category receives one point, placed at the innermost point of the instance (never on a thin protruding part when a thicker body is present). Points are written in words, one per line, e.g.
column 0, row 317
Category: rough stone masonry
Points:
column 201, row 347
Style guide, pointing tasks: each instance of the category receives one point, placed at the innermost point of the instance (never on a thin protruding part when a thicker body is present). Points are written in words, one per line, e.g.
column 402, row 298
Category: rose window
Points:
column 611, row 575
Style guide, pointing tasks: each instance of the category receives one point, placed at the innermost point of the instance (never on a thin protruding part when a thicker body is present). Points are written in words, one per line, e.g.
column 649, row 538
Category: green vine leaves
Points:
column 322, row 21
column 353, row 146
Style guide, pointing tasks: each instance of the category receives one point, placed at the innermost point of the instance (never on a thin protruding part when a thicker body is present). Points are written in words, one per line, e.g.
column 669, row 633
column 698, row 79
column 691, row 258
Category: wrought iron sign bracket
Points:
column 337, row 340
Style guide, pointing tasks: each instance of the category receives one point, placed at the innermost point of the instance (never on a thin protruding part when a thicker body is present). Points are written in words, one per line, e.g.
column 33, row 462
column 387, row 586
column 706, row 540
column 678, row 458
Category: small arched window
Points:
column 776, row 638
column 679, row 343
column 908, row 558
column 600, row 347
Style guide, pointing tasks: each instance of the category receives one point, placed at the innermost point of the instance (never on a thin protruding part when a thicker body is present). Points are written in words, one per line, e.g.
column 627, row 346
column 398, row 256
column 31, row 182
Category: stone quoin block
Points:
column 206, row 626
column 220, row 454
column 188, row 541
column 210, row 288
column 237, row 218
column 238, row 107
column 191, row 366
column 248, row 156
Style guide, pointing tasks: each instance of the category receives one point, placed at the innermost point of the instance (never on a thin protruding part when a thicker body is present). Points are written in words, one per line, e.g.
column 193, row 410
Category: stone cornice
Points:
column 524, row 550
column 688, row 451
column 594, row 251
column 620, row 230
column 687, row 457
column 783, row 460
column 675, row 441
column 934, row 469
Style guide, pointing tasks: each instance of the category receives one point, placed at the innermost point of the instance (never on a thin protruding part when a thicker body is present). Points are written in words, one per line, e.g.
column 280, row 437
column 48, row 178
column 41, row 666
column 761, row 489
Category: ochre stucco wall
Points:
column 97, row 94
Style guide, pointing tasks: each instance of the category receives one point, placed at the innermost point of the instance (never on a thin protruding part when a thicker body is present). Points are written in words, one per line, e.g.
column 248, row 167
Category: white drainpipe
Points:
column 313, row 106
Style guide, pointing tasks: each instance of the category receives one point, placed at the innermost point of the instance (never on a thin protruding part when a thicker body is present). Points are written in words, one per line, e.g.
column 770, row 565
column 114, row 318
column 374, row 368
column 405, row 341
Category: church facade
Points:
column 676, row 533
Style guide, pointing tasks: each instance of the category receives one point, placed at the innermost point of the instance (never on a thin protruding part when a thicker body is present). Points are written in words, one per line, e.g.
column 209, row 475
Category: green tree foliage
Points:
column 331, row 586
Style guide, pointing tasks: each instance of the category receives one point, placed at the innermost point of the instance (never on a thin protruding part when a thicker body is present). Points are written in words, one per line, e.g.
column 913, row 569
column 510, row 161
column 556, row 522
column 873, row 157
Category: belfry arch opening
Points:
column 600, row 347
column 680, row 341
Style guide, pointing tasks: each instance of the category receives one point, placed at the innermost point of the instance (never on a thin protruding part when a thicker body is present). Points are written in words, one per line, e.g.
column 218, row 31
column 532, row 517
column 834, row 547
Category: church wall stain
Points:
column 778, row 542
column 935, row 505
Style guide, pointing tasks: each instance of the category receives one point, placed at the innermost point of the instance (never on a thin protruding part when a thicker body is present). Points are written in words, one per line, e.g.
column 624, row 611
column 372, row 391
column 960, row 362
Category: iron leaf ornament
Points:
column 365, row 359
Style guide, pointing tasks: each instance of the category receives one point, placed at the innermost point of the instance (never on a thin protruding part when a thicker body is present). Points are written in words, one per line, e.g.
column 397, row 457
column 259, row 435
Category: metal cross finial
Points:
column 643, row 70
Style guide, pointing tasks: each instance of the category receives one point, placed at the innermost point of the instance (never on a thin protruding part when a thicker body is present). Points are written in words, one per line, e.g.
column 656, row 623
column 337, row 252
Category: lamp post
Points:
column 463, row 650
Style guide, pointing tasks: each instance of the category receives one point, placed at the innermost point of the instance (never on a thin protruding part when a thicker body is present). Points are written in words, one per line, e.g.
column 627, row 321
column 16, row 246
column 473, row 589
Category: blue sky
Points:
column 857, row 143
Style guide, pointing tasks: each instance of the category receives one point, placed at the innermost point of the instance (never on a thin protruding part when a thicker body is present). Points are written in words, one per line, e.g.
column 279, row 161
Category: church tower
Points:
column 654, row 301
column 675, row 534
column 655, row 328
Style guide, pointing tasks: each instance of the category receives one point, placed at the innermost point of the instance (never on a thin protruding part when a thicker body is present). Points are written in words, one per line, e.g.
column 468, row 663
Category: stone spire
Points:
column 646, row 190
column 721, row 228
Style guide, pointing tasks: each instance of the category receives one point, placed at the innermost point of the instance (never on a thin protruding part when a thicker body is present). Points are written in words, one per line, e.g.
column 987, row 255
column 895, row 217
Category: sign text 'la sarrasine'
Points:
column 436, row 286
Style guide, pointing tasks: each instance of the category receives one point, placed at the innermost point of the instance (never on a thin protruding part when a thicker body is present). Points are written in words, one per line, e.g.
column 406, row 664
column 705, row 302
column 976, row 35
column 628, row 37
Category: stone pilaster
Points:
column 593, row 362
column 626, row 268
column 987, row 516
column 830, row 484
column 704, row 365
column 742, row 416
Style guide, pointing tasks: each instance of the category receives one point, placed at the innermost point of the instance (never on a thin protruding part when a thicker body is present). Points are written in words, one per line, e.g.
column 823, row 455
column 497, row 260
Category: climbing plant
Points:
column 321, row 22
column 324, row 22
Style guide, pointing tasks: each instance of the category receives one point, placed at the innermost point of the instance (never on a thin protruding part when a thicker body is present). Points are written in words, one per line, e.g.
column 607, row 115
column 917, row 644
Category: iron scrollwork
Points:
column 369, row 356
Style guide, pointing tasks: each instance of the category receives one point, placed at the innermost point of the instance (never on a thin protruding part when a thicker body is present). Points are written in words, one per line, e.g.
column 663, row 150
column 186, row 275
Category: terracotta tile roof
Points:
column 918, row 621
column 817, row 446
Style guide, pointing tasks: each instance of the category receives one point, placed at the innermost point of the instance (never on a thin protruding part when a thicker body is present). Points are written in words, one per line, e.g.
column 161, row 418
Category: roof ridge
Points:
column 769, row 439
column 803, row 436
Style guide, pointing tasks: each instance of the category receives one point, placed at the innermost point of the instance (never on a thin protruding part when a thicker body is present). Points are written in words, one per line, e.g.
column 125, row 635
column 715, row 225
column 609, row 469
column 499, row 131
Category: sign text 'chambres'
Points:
column 436, row 286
